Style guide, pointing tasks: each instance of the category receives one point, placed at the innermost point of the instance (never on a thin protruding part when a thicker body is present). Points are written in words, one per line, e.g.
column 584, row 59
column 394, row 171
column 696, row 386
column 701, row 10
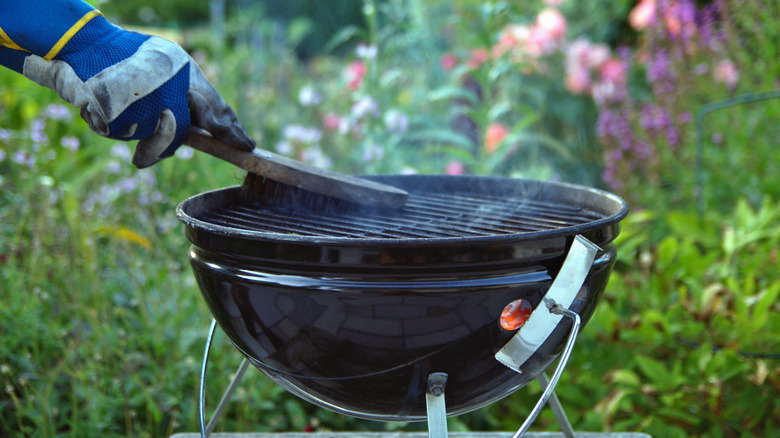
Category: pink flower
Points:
column 355, row 72
column 553, row 23
column 494, row 135
column 578, row 80
column 448, row 61
column 727, row 73
column 331, row 122
column 513, row 39
column 643, row 15
column 455, row 168
column 478, row 57
column 613, row 71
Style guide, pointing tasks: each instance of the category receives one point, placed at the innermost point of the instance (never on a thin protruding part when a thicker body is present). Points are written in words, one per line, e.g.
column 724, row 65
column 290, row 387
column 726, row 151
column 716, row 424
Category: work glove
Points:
column 130, row 86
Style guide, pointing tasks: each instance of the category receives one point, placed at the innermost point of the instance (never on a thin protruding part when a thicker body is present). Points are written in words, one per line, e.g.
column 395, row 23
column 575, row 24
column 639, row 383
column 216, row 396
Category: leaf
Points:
column 453, row 93
column 345, row 34
column 125, row 234
column 654, row 370
column 762, row 309
column 444, row 136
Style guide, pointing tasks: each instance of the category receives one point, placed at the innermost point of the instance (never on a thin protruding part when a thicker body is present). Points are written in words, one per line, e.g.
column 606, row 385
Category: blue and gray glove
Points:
column 129, row 86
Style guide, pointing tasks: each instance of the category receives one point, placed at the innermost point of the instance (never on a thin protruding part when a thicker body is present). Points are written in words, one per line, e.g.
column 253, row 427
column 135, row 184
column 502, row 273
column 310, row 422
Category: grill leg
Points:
column 548, row 390
column 436, row 408
column 556, row 407
column 206, row 429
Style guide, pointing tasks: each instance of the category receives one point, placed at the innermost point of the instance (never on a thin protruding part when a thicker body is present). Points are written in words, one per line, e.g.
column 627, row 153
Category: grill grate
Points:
column 425, row 216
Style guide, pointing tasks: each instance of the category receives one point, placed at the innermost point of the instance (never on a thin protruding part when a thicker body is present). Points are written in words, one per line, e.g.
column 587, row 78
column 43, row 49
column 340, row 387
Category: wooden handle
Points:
column 301, row 175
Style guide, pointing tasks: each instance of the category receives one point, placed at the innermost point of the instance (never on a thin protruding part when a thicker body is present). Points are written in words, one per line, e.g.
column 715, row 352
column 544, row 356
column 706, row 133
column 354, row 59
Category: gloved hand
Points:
column 133, row 86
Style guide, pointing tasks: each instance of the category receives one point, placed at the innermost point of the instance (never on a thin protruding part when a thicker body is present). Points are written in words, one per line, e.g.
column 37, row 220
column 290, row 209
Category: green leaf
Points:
column 345, row 34
column 654, row 370
column 453, row 93
column 443, row 136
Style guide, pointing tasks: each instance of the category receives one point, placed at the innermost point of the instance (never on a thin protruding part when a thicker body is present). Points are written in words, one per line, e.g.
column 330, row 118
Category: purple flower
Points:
column 660, row 67
column 24, row 158
column 37, row 133
column 71, row 143
column 57, row 112
column 121, row 151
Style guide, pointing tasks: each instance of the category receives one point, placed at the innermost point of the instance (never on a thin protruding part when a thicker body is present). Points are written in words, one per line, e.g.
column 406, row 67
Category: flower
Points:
column 553, row 23
column 494, row 135
column 308, row 96
column 355, row 73
column 365, row 51
column 71, row 143
column 57, row 112
column 185, row 153
column 455, row 168
column 577, row 80
column 643, row 15
column 396, row 121
column 331, row 122
column 448, row 61
column 363, row 107
column 302, row 134
column 478, row 57
column 121, row 151
column 726, row 72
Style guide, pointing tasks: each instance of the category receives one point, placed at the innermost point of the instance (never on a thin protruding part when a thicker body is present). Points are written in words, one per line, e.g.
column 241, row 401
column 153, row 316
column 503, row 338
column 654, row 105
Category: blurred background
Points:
column 672, row 104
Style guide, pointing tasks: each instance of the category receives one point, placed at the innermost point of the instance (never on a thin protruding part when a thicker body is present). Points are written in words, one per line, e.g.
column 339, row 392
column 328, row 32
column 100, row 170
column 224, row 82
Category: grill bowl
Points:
column 352, row 310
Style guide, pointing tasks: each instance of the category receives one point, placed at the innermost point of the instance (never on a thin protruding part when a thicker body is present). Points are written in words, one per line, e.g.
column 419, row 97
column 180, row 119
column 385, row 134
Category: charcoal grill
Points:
column 388, row 314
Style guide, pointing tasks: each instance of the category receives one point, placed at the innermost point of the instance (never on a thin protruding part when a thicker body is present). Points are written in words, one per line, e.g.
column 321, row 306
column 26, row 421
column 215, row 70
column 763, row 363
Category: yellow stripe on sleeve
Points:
column 6, row 41
column 69, row 34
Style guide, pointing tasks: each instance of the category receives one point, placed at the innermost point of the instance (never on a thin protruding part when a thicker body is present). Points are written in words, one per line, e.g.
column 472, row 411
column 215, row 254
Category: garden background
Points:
column 673, row 104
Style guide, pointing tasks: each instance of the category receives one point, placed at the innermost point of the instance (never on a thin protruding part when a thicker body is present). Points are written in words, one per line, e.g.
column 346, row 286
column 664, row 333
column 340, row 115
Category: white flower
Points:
column 366, row 51
column 396, row 121
column 308, row 96
column 185, row 153
column 284, row 148
column 302, row 134
column 316, row 157
column 364, row 107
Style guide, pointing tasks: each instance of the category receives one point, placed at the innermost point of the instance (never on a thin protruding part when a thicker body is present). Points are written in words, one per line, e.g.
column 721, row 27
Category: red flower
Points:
column 356, row 71
column 495, row 134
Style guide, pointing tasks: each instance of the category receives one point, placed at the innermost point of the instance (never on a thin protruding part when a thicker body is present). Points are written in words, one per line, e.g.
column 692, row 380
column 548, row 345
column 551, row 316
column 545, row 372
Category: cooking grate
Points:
column 425, row 216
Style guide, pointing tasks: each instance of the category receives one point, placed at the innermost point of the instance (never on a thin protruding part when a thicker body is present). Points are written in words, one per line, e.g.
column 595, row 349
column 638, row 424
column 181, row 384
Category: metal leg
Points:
column 548, row 391
column 206, row 429
column 434, row 403
column 556, row 407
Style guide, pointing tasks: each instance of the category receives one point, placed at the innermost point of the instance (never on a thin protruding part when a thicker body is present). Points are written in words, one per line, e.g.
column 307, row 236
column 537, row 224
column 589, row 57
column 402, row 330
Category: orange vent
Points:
column 515, row 314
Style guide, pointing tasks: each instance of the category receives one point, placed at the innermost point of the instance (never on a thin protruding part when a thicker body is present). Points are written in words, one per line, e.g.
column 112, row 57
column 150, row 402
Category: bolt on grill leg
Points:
column 434, row 403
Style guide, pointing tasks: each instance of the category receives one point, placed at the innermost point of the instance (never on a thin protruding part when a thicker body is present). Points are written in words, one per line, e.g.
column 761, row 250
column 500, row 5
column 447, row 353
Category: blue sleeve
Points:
column 40, row 27
column 13, row 59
